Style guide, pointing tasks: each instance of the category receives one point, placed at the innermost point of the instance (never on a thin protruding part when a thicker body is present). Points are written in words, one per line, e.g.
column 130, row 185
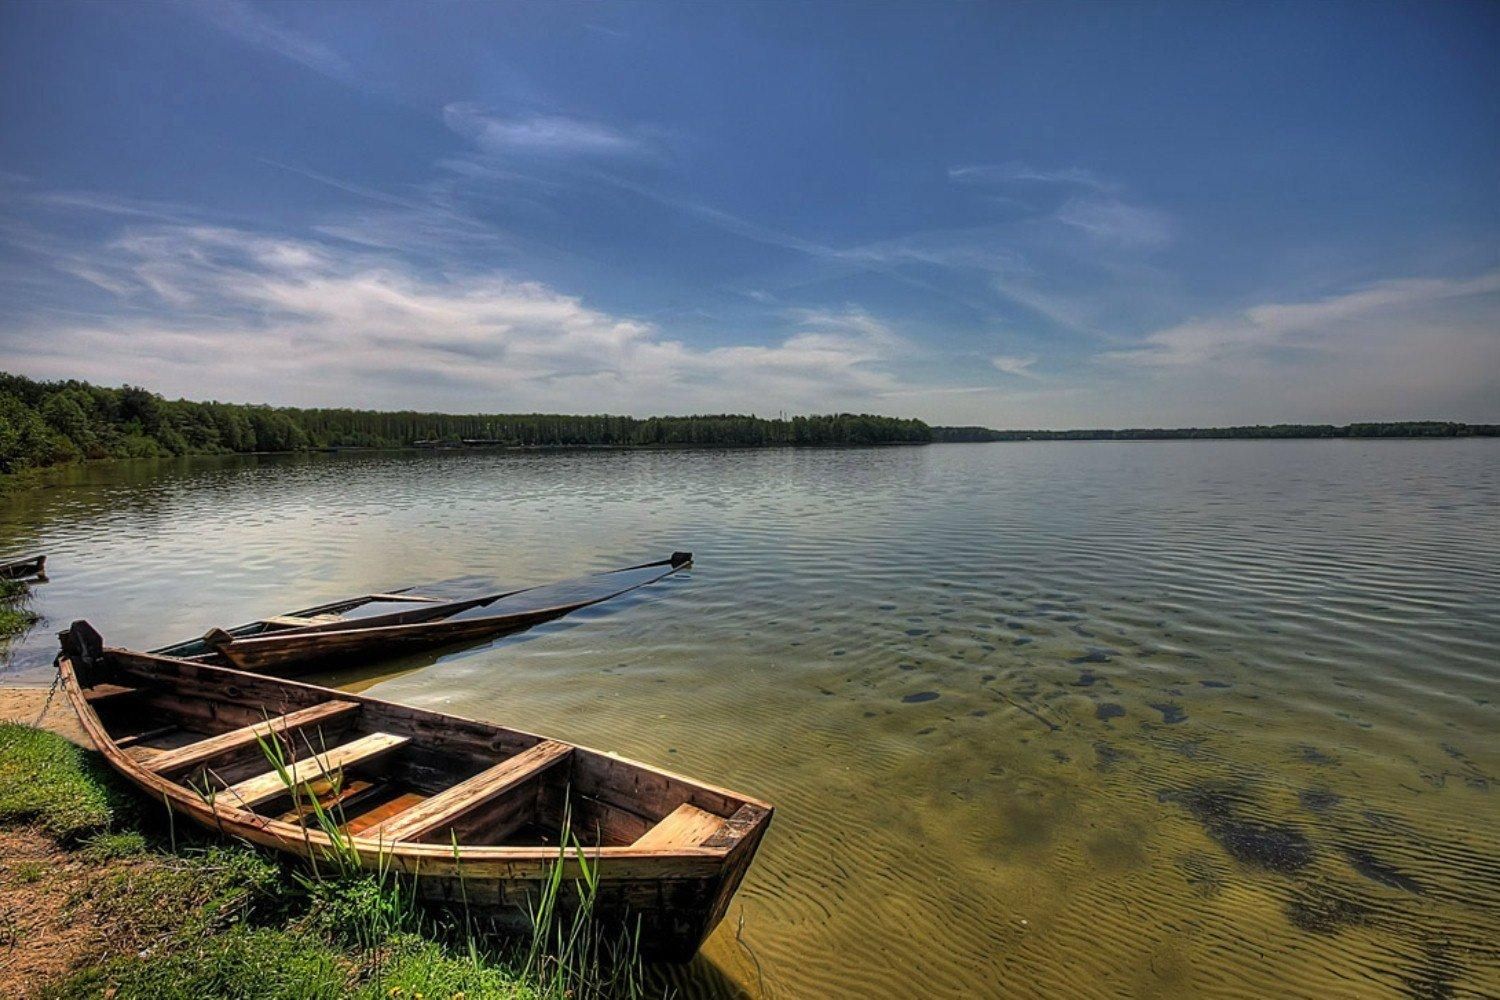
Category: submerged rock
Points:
column 919, row 696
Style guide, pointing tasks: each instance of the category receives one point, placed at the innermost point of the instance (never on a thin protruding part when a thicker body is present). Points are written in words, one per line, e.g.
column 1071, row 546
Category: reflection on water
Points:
column 1186, row 718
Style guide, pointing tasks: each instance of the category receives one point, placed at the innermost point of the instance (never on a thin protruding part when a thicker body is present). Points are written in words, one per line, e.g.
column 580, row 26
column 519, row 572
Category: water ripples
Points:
column 1093, row 720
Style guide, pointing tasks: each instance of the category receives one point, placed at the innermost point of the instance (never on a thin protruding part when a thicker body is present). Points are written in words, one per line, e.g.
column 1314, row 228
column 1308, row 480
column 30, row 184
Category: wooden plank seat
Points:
column 297, row 621
column 685, row 826
column 448, row 805
column 264, row 787
column 203, row 751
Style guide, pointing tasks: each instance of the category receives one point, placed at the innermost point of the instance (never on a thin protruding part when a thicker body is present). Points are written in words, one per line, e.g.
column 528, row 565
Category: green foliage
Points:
column 15, row 616
column 62, row 788
column 14, row 621
column 48, row 423
column 359, row 910
column 1404, row 429
column 24, row 438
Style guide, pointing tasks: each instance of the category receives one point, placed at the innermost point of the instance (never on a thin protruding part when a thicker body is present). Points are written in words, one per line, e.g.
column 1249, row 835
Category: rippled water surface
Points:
column 1072, row 719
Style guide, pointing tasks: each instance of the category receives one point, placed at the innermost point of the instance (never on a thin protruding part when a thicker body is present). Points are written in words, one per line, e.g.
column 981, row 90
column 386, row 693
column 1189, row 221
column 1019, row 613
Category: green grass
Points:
column 15, row 617
column 49, row 782
column 261, row 963
column 14, row 621
column 182, row 915
column 108, row 846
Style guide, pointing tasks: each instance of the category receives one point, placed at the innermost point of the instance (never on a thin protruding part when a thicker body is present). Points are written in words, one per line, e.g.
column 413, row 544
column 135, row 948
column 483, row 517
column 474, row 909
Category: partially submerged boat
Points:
column 471, row 810
column 21, row 569
column 397, row 622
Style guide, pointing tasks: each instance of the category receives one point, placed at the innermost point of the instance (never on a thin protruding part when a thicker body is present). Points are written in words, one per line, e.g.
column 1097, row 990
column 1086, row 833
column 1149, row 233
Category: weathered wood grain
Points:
column 321, row 766
column 247, row 736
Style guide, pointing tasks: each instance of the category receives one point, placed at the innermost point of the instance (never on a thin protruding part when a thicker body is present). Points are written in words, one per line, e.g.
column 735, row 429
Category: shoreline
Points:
column 25, row 703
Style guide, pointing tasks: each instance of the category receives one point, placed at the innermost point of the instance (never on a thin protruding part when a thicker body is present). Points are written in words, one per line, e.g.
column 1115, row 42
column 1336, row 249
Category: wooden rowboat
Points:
column 20, row 569
column 470, row 809
column 405, row 621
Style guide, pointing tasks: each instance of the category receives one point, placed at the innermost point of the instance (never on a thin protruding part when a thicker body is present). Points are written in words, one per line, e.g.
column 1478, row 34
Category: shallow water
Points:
column 1068, row 719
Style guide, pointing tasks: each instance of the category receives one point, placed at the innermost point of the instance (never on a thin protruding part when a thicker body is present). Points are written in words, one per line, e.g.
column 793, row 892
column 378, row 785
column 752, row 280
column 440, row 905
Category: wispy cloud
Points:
column 1011, row 365
column 1010, row 173
column 254, row 26
column 1308, row 326
column 546, row 135
column 1112, row 221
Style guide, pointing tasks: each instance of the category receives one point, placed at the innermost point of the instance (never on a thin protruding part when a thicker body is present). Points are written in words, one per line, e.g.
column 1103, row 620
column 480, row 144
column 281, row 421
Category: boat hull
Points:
column 281, row 647
column 21, row 569
column 293, row 654
column 674, row 893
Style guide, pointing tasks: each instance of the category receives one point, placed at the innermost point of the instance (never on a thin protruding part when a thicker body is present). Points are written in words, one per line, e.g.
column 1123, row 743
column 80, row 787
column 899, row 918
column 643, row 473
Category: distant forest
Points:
column 1396, row 429
column 52, row 423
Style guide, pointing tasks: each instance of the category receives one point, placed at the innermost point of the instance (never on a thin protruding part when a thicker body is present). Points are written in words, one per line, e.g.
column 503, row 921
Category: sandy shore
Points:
column 22, row 704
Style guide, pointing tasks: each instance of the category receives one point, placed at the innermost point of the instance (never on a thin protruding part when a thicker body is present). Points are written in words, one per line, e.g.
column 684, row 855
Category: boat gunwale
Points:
column 432, row 859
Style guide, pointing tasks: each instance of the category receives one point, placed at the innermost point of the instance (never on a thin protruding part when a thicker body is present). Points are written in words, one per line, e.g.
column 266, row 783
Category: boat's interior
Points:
column 386, row 772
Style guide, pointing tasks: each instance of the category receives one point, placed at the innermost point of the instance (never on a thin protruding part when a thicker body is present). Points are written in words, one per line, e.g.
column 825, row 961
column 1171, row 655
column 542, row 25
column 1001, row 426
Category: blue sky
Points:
column 1016, row 215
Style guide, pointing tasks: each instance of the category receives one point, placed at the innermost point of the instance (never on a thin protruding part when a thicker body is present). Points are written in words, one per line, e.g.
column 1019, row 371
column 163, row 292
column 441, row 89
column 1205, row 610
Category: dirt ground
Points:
column 22, row 704
column 41, row 932
column 40, row 935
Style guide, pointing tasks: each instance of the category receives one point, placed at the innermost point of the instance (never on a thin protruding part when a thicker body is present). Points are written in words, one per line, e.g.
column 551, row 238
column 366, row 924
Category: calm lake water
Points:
column 1063, row 720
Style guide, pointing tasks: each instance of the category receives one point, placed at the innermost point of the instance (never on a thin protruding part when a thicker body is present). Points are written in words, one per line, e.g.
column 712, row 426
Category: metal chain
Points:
column 51, row 692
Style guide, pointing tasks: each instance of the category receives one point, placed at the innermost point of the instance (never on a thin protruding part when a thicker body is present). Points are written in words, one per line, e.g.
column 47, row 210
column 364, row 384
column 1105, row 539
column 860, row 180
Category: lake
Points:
column 1067, row 719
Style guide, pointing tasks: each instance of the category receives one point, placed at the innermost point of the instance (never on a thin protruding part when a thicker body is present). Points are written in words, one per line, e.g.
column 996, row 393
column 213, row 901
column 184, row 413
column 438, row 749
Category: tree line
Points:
column 51, row 423
column 1400, row 428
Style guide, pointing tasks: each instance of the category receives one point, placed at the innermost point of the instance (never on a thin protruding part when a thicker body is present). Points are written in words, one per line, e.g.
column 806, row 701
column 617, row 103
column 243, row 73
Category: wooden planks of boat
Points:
column 403, row 621
column 470, row 810
column 20, row 569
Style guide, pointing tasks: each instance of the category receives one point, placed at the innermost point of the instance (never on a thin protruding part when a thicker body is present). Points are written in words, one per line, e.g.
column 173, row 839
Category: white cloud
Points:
column 217, row 311
column 1014, row 366
column 1320, row 325
column 540, row 134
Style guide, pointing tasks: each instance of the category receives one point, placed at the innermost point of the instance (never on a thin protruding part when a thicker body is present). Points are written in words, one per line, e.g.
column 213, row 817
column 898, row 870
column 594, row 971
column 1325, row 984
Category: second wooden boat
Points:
column 393, row 623
column 20, row 569
column 471, row 810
